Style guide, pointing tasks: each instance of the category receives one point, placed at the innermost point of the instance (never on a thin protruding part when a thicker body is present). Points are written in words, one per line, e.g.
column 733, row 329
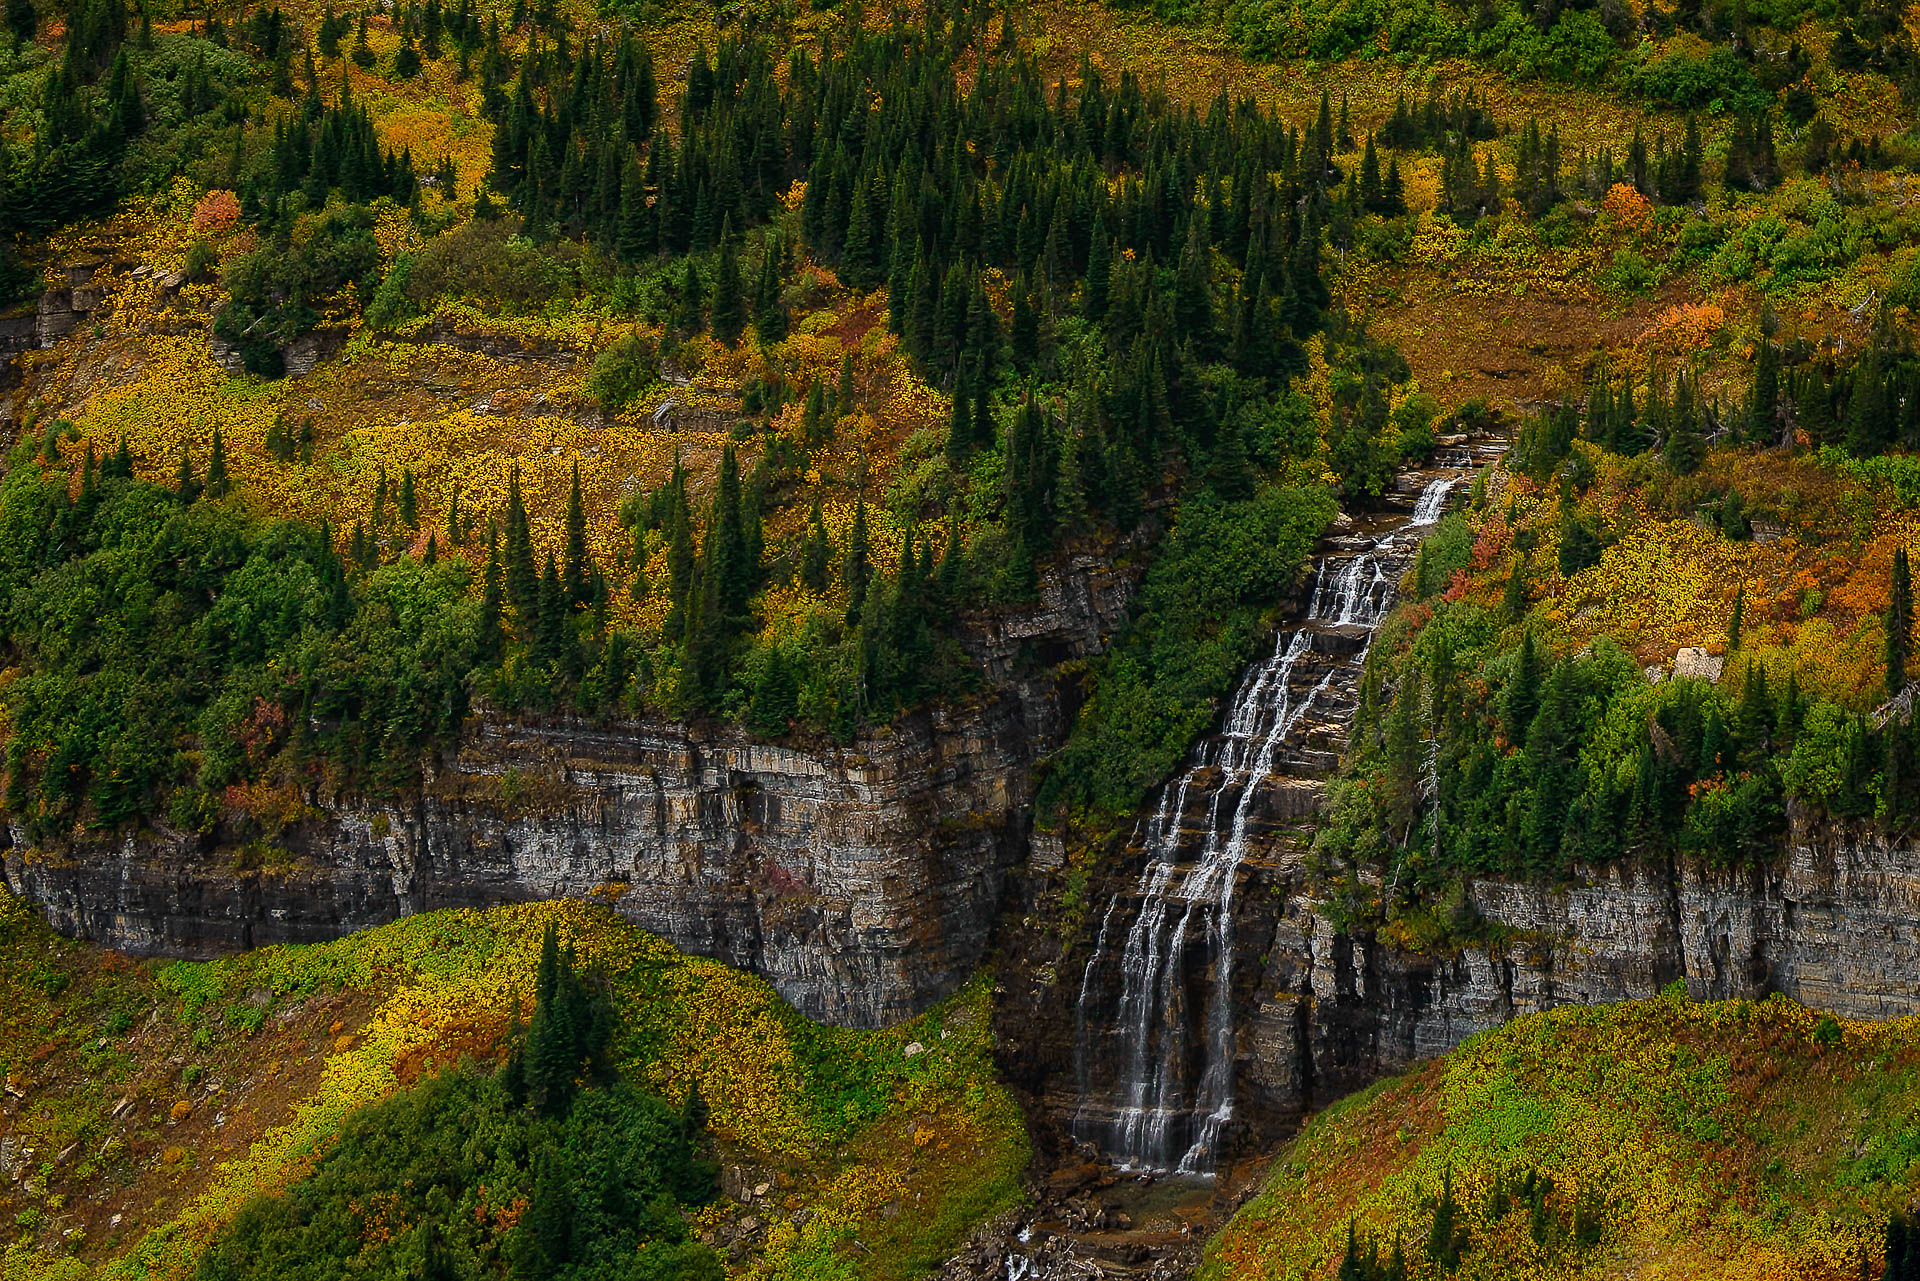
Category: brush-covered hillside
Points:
column 445, row 1096
column 1657, row 1138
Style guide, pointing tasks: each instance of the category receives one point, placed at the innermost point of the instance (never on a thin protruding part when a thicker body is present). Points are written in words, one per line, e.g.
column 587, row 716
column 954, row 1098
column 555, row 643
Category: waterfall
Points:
column 1174, row 1072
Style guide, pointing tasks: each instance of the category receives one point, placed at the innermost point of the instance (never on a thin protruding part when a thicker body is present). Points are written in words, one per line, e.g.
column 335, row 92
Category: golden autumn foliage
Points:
column 836, row 1110
column 1736, row 1140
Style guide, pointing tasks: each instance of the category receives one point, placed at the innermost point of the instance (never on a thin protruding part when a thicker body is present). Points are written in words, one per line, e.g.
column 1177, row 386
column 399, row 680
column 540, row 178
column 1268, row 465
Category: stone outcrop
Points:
column 862, row 881
column 1835, row 924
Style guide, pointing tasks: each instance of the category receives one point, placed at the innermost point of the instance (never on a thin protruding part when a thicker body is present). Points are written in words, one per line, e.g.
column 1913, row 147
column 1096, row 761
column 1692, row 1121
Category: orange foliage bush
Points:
column 217, row 211
column 1627, row 208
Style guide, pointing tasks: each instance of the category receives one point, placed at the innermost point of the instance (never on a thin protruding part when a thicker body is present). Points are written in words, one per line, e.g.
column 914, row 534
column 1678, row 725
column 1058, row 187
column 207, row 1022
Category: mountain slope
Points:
column 1680, row 1140
column 146, row 1102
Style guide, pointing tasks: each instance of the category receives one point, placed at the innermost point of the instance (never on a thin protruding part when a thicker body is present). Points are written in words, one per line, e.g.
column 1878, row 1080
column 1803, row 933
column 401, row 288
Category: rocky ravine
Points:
column 863, row 881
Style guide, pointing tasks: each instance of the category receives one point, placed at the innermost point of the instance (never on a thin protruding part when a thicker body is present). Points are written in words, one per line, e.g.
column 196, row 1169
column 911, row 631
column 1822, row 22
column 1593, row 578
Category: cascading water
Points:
column 1172, row 1095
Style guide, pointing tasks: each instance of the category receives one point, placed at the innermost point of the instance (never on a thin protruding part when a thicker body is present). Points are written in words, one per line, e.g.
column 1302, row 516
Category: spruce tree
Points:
column 857, row 569
column 729, row 297
column 522, row 577
column 184, row 484
column 23, row 20
column 691, row 310
column 1521, row 697
column 843, row 392
column 680, row 570
column 769, row 307
column 490, row 602
column 815, row 554
column 815, row 430
column 217, row 483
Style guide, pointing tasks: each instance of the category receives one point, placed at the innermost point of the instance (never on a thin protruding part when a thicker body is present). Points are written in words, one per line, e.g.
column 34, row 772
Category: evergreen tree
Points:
column 815, row 554
column 490, row 601
column 843, row 392
column 815, row 430
column 184, row 483
column 522, row 577
column 23, row 20
column 680, row 564
column 690, row 312
column 1520, row 700
column 856, row 571
column 729, row 298
column 217, row 483
column 769, row 307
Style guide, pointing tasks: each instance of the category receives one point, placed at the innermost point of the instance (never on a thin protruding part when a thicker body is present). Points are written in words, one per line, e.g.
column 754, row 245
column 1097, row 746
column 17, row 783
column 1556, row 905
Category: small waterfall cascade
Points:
column 1156, row 1065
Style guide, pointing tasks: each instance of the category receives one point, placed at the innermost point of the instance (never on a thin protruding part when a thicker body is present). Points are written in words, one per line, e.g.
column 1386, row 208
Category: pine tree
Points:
column 490, row 601
column 409, row 501
column 856, row 571
column 769, row 307
column 1520, row 700
column 843, row 392
column 815, row 554
column 217, row 483
column 522, row 577
column 184, row 484
column 815, row 430
column 680, row 568
column 1443, row 1237
column 727, row 566
column 23, row 20
column 691, row 310
column 729, row 297
column 960, row 423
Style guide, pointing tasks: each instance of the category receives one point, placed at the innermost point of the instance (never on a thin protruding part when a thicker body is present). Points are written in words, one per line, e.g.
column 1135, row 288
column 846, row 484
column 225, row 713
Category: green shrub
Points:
column 622, row 372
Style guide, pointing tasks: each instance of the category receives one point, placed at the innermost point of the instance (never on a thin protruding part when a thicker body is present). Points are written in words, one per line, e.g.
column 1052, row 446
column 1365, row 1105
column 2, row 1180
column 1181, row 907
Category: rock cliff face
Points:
column 861, row 881
column 1832, row 924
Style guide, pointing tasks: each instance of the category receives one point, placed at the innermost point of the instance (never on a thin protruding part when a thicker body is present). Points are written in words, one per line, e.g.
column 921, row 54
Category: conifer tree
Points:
column 522, row 578
column 184, row 483
column 490, row 601
column 680, row 568
column 769, row 308
column 729, row 299
column 815, row 554
column 857, row 570
column 1521, row 697
column 815, row 430
column 217, row 483
column 691, row 310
